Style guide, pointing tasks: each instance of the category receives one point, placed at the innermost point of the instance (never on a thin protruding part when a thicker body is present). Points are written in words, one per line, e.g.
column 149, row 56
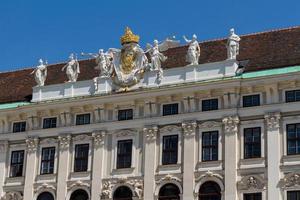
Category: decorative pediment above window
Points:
column 291, row 180
column 49, row 141
column 126, row 132
column 252, row 182
column 168, row 178
column 170, row 128
column 208, row 174
column 77, row 185
column 83, row 137
column 210, row 124
column 45, row 187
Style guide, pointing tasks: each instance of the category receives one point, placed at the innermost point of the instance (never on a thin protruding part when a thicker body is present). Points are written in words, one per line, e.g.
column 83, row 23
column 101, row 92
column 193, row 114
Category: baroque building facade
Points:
column 226, row 128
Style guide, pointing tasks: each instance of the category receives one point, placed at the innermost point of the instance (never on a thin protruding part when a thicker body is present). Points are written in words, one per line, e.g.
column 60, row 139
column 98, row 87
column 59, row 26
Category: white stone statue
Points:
column 40, row 73
column 193, row 52
column 233, row 45
column 72, row 68
column 156, row 58
column 103, row 61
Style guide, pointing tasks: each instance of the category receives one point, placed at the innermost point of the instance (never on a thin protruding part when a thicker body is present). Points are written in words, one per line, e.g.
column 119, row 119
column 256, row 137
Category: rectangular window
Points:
column 251, row 100
column 19, row 127
column 126, row 114
column 170, row 149
column 47, row 160
column 17, row 163
column 81, row 157
column 210, row 145
column 292, row 96
column 170, row 109
column 49, row 122
column 293, row 139
column 124, row 154
column 293, row 195
column 83, row 119
column 253, row 196
column 210, row 104
column 252, row 142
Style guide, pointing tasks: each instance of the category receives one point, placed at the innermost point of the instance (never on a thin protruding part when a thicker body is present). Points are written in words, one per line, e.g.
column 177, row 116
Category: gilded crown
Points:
column 129, row 37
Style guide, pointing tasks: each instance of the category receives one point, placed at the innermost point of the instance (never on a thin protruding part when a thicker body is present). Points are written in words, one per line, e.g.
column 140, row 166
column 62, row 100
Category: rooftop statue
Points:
column 233, row 45
column 72, row 68
column 193, row 52
column 40, row 73
column 103, row 61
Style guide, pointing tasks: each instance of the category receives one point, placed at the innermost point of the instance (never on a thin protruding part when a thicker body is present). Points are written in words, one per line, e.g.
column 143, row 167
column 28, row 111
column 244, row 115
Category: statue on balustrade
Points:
column 72, row 68
column 233, row 45
column 40, row 73
column 193, row 53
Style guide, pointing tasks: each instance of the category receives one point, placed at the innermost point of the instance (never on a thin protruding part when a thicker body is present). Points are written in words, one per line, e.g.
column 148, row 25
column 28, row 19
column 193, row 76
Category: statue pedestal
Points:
column 103, row 85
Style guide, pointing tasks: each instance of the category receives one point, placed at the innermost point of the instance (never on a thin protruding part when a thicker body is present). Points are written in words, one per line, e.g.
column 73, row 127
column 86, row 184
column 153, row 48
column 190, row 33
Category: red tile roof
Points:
column 272, row 49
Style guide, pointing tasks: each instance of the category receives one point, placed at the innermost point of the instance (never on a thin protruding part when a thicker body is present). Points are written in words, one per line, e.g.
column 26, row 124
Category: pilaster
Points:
column 3, row 155
column 63, row 165
column 31, row 166
column 273, row 149
column 150, row 135
column 97, row 166
column 189, row 132
column 231, row 130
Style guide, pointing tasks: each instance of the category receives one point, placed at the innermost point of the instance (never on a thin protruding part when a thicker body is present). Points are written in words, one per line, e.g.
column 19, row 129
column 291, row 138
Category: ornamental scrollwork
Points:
column 291, row 180
column 64, row 141
column 150, row 133
column 98, row 137
column 273, row 120
column 209, row 124
column 231, row 124
column 169, row 178
column 12, row 196
column 44, row 187
column 189, row 128
column 251, row 183
column 32, row 144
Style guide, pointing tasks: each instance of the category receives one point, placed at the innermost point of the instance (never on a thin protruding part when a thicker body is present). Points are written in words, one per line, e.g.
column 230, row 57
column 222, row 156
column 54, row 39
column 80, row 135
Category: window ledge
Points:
column 123, row 171
column 15, row 180
column 252, row 163
column 46, row 177
column 291, row 159
column 165, row 169
column 82, row 175
column 209, row 165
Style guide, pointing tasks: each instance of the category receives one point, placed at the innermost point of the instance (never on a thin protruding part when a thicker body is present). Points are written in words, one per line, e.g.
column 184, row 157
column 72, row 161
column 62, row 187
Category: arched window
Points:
column 169, row 192
column 45, row 196
column 210, row 191
column 79, row 195
column 122, row 193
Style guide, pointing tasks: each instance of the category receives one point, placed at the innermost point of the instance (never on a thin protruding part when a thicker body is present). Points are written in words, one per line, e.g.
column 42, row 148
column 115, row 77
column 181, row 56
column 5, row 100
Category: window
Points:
column 49, row 122
column 293, row 195
column 47, row 160
column 251, row 100
column 79, row 195
column 210, row 191
column 170, row 149
column 253, row 196
column 170, row 109
column 83, row 119
column 81, row 157
column 19, row 127
column 17, row 163
column 125, row 114
column 252, row 142
column 210, row 145
column 210, row 104
column 293, row 139
column 169, row 192
column 124, row 154
column 45, row 196
column 292, row 96
column 123, row 193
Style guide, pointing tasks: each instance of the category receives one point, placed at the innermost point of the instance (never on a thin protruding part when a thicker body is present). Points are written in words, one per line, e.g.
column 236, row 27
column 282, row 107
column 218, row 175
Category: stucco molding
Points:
column 252, row 182
column 150, row 133
column 273, row 120
column 231, row 124
column 291, row 180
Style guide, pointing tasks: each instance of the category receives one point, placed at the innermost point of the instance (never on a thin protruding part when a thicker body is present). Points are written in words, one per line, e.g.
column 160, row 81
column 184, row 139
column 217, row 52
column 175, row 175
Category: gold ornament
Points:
column 129, row 37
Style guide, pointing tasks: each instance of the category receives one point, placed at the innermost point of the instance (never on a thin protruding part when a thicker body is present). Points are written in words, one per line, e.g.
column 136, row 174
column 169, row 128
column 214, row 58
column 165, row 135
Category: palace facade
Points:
column 160, row 125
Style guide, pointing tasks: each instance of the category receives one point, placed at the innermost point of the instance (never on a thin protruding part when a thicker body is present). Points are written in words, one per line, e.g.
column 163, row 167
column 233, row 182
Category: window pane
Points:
column 210, row 145
column 252, row 142
column 251, row 100
column 209, row 104
column 125, row 114
column 47, row 162
column 19, row 127
column 124, row 154
column 81, row 157
column 83, row 119
column 49, row 123
column 293, row 139
column 170, row 109
column 170, row 149
column 16, row 167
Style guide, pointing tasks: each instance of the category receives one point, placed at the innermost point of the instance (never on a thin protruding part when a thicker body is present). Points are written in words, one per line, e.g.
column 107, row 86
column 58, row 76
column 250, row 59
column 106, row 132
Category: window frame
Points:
column 15, row 122
column 207, row 99
column 210, row 147
column 117, row 156
column 47, row 160
column 46, row 143
column 11, row 164
column 252, row 94
column 170, row 103
column 51, row 117
column 84, row 113
column 252, row 143
column 297, row 139
column 126, row 109
column 81, row 139
column 284, row 99
column 81, row 158
column 169, row 150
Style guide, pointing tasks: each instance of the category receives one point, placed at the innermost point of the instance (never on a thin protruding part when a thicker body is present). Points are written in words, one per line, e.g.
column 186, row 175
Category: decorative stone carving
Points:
column 189, row 128
column 233, row 45
column 290, row 180
column 209, row 124
column 12, row 196
column 126, row 132
column 40, row 73
column 170, row 128
column 251, row 183
column 48, row 141
column 231, row 124
column 64, row 142
column 193, row 52
column 44, row 187
column 150, row 133
column 78, row 184
column 98, row 137
column 32, row 144
column 209, row 173
column 136, row 186
column 273, row 120
column 82, row 137
column 169, row 178
column 72, row 68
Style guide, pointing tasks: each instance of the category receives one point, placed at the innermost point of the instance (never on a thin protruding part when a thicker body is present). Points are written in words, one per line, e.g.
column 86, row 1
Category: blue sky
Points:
column 52, row 29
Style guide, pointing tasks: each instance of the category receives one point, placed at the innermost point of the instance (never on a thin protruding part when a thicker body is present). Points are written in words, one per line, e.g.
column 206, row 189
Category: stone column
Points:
column 231, row 155
column 150, row 134
column 189, row 150
column 273, row 150
column 98, row 158
column 3, row 155
column 31, row 166
column 63, row 166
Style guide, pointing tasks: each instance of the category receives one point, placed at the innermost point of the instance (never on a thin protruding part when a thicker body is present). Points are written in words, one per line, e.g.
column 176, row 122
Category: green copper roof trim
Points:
column 271, row 72
column 13, row 105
